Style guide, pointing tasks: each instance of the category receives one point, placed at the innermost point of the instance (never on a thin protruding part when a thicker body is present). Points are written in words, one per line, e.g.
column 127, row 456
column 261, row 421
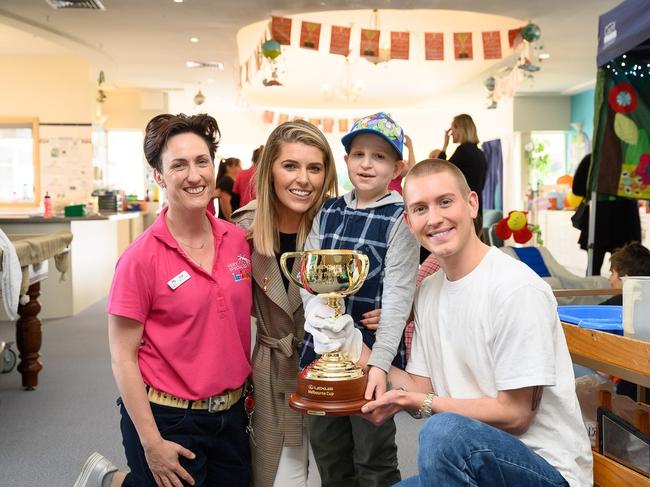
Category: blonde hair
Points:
column 266, row 239
column 437, row 166
column 466, row 129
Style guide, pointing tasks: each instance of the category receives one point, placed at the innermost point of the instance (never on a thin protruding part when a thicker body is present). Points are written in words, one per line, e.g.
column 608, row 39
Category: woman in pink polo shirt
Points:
column 179, row 326
column 294, row 178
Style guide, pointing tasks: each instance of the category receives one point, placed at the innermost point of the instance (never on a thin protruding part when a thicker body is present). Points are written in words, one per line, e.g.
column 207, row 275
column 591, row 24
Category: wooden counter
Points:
column 98, row 242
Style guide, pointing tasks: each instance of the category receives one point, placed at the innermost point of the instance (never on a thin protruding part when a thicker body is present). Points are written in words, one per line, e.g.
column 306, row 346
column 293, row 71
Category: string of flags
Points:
column 369, row 43
column 327, row 124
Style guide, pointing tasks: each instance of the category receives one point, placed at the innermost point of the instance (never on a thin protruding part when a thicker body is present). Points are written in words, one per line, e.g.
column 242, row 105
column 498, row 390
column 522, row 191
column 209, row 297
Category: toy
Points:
column 516, row 225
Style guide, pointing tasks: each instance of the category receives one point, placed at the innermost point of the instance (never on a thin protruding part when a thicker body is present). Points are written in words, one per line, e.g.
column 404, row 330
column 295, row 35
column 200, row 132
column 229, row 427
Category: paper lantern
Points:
column 531, row 32
column 271, row 49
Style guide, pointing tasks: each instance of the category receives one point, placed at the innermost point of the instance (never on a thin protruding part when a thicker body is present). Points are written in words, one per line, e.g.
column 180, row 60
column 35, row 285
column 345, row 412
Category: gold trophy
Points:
column 331, row 385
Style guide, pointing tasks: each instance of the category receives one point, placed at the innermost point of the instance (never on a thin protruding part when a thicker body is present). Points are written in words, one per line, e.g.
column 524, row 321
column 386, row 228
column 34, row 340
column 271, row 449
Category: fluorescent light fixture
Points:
column 544, row 55
column 178, row 1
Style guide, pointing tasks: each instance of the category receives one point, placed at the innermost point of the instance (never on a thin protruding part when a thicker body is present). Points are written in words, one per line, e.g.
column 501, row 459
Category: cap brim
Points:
column 346, row 140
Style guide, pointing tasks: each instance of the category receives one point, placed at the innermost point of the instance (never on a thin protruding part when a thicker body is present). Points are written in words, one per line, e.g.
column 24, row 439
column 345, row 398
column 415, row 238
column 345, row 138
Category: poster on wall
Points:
column 66, row 163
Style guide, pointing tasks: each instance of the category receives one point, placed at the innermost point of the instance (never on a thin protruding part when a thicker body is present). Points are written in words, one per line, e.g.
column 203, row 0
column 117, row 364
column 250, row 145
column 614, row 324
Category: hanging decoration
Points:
column 340, row 40
column 271, row 50
column 463, row 45
column 434, row 46
column 491, row 44
column 199, row 98
column 281, row 30
column 399, row 45
column 310, row 35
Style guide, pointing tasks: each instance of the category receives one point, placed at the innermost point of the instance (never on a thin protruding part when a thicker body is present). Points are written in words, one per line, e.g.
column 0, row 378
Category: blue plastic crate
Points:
column 602, row 318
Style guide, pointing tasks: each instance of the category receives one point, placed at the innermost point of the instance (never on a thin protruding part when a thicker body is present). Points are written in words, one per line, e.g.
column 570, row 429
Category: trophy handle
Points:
column 287, row 272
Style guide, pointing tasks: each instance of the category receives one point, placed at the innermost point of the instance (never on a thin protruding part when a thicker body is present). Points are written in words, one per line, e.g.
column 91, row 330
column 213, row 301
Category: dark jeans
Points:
column 352, row 452
column 219, row 441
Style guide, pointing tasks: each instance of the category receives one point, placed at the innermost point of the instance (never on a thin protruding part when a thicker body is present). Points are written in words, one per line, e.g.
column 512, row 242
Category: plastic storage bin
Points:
column 602, row 318
column 636, row 307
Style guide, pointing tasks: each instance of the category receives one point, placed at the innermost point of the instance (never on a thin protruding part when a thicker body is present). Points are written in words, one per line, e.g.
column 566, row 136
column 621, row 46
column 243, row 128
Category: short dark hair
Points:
column 632, row 259
column 162, row 127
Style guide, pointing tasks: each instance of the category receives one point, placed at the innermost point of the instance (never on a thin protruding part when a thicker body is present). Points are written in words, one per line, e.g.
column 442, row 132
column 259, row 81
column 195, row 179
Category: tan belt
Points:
column 214, row 404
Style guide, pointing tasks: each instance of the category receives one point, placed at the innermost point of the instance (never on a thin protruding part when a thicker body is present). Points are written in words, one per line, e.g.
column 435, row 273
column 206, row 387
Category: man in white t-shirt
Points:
column 489, row 362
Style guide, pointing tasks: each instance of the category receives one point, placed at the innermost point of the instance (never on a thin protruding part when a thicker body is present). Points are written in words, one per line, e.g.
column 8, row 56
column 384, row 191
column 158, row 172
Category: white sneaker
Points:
column 94, row 471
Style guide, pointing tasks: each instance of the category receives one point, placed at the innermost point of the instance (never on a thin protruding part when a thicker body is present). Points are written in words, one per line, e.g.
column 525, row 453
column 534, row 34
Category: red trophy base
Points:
column 330, row 386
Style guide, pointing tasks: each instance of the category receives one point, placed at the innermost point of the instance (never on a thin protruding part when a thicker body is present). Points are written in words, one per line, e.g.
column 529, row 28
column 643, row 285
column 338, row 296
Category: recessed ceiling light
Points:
column 194, row 39
column 178, row 1
column 544, row 55
column 210, row 80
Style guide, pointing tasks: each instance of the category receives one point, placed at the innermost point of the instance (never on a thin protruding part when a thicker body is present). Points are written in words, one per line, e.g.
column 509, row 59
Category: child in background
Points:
column 350, row 450
column 632, row 259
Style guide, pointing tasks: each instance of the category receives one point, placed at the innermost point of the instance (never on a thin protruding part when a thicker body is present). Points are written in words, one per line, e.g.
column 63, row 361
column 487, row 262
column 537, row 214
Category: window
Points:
column 119, row 161
column 19, row 162
column 546, row 154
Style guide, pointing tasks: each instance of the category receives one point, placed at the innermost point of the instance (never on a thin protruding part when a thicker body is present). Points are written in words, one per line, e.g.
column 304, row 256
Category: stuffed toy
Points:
column 515, row 225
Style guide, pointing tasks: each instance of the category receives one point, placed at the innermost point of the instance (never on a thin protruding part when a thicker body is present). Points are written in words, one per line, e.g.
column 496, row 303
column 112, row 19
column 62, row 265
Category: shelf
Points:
column 610, row 473
column 621, row 356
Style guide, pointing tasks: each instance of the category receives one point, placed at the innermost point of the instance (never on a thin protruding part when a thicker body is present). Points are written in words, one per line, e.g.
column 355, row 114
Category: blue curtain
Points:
column 493, row 189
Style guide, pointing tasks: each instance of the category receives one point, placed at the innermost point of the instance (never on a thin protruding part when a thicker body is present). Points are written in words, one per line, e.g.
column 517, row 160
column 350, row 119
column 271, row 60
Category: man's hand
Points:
column 386, row 406
column 370, row 320
column 376, row 383
column 162, row 458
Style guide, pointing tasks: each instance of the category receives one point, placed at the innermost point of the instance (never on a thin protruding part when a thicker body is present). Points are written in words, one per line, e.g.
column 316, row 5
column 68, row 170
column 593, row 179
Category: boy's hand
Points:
column 376, row 383
column 370, row 320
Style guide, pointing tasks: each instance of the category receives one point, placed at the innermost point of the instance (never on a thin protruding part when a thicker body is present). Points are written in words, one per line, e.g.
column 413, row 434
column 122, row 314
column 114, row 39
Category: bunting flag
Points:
column 492, row 45
column 328, row 125
column 434, row 46
column 310, row 35
column 340, row 41
column 267, row 116
column 283, row 117
column 514, row 37
column 247, row 68
column 314, row 121
column 281, row 30
column 369, row 42
column 343, row 125
column 399, row 45
column 463, row 45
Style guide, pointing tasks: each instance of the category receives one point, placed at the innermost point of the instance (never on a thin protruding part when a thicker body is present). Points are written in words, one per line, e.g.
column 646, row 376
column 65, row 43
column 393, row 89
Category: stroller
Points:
column 7, row 357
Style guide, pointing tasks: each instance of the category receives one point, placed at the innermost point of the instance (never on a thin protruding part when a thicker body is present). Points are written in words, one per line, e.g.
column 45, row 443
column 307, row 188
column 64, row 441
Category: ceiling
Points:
column 145, row 43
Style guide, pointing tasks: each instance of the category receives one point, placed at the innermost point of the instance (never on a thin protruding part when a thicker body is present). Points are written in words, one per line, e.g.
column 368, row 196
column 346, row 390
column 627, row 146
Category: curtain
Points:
column 493, row 189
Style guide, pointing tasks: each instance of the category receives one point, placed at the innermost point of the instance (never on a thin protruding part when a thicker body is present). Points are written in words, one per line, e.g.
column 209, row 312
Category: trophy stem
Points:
column 333, row 302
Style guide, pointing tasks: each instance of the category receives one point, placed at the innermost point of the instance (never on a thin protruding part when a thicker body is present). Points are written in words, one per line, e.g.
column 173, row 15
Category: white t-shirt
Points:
column 497, row 329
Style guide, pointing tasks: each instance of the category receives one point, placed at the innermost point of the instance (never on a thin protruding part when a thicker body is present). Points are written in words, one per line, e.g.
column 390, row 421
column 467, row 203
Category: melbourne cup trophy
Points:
column 331, row 385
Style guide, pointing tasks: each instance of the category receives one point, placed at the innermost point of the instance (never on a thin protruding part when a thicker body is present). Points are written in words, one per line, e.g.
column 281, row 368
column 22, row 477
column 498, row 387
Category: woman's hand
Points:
column 447, row 136
column 162, row 458
column 370, row 320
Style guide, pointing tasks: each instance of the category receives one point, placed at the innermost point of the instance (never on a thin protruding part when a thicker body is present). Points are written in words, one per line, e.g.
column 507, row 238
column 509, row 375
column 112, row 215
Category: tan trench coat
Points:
column 280, row 323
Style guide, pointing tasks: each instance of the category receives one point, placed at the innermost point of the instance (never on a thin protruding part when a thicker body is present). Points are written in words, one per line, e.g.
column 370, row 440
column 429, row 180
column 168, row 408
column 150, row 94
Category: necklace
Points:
column 193, row 248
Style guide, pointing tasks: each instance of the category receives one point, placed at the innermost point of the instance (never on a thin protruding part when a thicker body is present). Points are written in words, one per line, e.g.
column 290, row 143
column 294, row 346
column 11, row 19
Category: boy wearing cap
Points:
column 350, row 450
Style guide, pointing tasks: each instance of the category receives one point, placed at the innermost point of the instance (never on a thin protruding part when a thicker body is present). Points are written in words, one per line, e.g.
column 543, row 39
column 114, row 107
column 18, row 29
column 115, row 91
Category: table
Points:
column 33, row 249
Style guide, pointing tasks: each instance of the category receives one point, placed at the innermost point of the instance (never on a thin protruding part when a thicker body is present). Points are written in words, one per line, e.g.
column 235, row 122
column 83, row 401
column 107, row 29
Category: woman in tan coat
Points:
column 295, row 176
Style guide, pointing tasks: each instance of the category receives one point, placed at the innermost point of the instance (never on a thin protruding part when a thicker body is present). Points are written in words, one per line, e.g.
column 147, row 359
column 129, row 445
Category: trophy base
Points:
column 330, row 386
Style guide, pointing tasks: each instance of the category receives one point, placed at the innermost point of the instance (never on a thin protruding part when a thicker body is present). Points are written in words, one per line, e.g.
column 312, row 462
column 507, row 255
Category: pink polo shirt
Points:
column 196, row 338
column 395, row 184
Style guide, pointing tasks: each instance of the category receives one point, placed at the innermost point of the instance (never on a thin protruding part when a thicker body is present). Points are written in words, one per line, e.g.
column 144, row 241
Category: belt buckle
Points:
column 217, row 403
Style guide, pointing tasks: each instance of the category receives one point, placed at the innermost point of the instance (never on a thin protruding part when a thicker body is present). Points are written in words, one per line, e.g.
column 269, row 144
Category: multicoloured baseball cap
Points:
column 379, row 124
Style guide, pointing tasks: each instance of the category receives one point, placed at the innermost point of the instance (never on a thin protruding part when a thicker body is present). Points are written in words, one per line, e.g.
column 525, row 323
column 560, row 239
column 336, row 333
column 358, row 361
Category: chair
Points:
column 544, row 264
column 490, row 220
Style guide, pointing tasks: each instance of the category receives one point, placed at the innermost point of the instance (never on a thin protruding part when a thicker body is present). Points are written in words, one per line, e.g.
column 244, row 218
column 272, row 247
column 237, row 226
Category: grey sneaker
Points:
column 94, row 471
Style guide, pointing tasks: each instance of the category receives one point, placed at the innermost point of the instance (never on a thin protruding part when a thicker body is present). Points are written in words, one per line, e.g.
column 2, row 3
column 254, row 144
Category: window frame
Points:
column 33, row 123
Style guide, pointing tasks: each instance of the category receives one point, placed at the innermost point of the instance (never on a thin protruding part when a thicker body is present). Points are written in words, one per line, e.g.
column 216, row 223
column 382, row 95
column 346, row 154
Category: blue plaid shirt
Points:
column 366, row 230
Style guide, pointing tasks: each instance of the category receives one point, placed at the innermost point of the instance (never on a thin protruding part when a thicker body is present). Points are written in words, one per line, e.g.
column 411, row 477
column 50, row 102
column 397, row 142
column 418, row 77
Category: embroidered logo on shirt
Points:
column 240, row 269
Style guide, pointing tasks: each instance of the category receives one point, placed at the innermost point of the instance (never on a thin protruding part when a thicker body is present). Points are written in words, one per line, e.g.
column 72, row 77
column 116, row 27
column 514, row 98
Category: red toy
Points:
column 515, row 225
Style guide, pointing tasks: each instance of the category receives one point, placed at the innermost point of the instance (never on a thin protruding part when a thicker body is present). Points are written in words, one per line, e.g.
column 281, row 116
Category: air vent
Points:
column 204, row 64
column 79, row 4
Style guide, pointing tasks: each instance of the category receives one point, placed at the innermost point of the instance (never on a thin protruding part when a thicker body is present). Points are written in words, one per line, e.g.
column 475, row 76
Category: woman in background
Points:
column 468, row 158
column 226, row 175
column 294, row 177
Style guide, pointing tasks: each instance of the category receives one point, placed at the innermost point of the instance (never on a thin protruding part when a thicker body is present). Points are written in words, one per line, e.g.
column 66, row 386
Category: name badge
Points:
column 176, row 281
